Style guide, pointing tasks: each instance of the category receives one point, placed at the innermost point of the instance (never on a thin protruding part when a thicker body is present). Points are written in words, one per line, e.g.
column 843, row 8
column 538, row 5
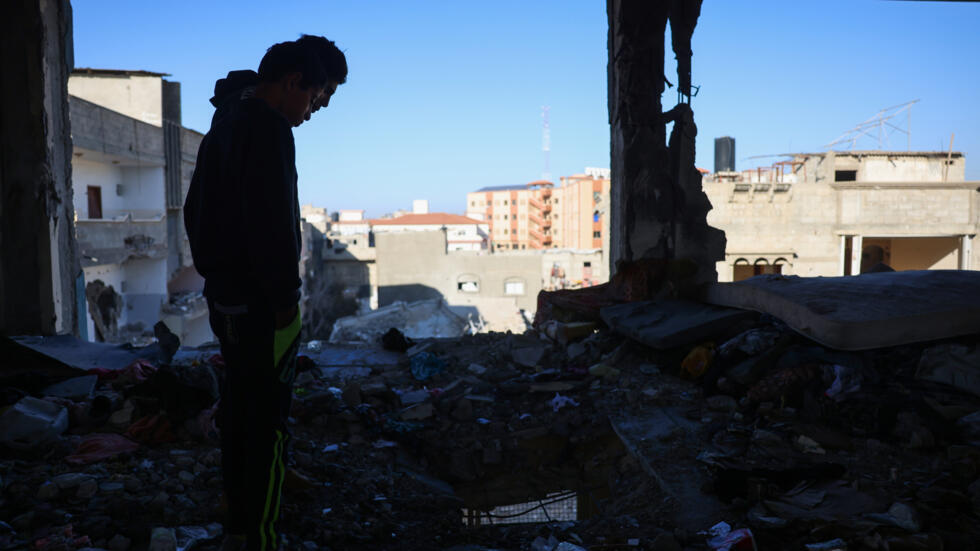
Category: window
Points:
column 505, row 231
column 556, row 201
column 596, row 235
column 468, row 283
column 505, row 202
column 472, row 203
column 595, row 216
column 505, row 217
column 587, row 264
column 845, row 175
column 514, row 286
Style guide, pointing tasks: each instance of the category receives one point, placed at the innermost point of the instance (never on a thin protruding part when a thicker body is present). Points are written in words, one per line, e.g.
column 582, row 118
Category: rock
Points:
column 159, row 501
column 123, row 417
column 374, row 389
column 722, row 402
column 87, row 489
column 31, row 422
column 411, row 397
column 70, row 480
column 476, row 369
column 111, row 487
column 162, row 539
column 185, row 476
column 47, row 491
column 529, row 356
column 418, row 412
column 576, row 350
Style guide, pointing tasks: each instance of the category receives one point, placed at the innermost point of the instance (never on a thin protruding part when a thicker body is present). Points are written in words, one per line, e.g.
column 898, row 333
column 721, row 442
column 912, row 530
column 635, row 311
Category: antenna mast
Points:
column 879, row 127
column 546, row 142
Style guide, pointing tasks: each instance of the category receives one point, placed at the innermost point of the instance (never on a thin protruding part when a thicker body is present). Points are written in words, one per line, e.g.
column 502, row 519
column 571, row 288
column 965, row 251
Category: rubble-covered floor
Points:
column 580, row 439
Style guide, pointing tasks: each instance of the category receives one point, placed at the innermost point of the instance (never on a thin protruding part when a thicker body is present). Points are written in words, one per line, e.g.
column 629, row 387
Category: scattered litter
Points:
column 560, row 401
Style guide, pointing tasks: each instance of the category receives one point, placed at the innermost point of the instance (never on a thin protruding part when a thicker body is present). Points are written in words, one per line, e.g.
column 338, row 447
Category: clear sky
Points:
column 445, row 97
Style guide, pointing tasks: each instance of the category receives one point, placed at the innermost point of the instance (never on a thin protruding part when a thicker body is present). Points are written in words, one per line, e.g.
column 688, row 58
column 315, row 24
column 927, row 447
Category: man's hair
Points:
column 333, row 60
column 292, row 57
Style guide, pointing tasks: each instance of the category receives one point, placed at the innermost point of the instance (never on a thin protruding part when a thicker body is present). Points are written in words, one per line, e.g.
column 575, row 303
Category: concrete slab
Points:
column 668, row 323
column 866, row 311
column 74, row 352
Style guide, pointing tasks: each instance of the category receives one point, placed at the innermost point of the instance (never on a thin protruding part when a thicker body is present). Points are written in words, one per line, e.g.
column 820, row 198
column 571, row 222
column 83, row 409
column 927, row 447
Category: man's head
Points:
column 295, row 78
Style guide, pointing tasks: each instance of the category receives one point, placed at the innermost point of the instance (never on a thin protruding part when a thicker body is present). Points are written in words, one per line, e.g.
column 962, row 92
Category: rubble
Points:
column 571, row 436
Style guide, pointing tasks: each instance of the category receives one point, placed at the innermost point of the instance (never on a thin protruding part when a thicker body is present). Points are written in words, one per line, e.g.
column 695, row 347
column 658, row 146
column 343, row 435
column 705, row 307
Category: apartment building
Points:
column 462, row 233
column 539, row 215
column 131, row 167
column 844, row 213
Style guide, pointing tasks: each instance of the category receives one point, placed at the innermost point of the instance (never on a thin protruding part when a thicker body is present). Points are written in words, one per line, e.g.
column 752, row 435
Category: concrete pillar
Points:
column 966, row 251
column 842, row 266
column 658, row 209
column 38, row 259
column 857, row 247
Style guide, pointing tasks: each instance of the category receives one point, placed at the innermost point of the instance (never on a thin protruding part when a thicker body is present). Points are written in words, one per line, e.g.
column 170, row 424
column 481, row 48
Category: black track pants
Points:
column 260, row 367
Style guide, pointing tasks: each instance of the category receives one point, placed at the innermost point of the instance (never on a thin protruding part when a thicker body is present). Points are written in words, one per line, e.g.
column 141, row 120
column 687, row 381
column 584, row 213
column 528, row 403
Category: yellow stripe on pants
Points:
column 267, row 532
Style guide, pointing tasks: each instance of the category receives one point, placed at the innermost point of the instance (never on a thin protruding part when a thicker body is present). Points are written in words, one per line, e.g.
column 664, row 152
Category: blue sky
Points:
column 445, row 97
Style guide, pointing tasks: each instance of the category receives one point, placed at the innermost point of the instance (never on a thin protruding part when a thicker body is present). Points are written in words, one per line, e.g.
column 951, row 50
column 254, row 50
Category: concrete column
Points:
column 856, row 249
column 658, row 209
column 38, row 259
column 842, row 266
column 966, row 251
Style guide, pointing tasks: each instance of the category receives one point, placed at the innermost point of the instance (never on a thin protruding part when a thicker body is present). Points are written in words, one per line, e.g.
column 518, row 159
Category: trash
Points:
column 699, row 359
column 560, row 401
column 98, row 447
column 76, row 388
column 152, row 429
column 725, row 539
column 163, row 539
column 847, row 380
column 32, row 422
column 314, row 346
column 426, row 365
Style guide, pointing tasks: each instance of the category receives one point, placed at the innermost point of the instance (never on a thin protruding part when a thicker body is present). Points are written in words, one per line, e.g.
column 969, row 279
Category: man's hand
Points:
column 285, row 317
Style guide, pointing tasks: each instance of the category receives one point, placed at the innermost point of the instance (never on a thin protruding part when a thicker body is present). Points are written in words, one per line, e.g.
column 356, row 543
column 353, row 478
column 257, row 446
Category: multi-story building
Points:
column 581, row 219
column 131, row 168
column 843, row 213
column 539, row 215
column 518, row 217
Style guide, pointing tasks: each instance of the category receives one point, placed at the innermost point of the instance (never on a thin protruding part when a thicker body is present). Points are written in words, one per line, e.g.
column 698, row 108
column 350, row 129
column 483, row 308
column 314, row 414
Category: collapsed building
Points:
column 660, row 410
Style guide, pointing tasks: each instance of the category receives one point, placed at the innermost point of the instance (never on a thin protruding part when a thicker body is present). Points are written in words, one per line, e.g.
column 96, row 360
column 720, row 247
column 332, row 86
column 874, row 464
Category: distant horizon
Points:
column 442, row 100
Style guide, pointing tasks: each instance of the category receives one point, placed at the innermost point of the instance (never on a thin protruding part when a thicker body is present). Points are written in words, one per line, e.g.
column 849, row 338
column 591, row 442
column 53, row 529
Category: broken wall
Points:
column 39, row 270
column 658, row 207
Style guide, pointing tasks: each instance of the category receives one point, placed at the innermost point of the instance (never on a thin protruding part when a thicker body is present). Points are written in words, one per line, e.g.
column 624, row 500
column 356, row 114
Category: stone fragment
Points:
column 374, row 388
column 418, row 412
column 722, row 402
column 463, row 410
column 111, row 487
column 352, row 395
column 185, row 476
column 67, row 481
column 76, row 388
column 665, row 542
column 411, row 397
column 119, row 542
column 528, row 356
column 87, row 489
column 476, row 369
column 163, row 539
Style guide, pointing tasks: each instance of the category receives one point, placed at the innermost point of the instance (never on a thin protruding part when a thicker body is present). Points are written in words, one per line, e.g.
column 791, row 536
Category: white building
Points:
column 462, row 233
column 131, row 166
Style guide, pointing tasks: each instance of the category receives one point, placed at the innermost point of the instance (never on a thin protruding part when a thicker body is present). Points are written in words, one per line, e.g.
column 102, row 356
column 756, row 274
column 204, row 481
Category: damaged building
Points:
column 132, row 163
column 846, row 212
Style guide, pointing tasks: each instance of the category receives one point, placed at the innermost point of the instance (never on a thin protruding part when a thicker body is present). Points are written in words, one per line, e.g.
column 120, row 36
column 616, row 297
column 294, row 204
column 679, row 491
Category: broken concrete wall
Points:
column 658, row 207
column 38, row 261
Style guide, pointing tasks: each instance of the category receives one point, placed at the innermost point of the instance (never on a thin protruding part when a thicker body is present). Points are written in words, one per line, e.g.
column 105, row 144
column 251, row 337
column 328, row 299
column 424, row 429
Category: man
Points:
column 242, row 220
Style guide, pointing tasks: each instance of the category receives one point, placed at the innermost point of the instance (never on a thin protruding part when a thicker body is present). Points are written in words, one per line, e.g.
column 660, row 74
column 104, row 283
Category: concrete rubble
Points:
column 667, row 431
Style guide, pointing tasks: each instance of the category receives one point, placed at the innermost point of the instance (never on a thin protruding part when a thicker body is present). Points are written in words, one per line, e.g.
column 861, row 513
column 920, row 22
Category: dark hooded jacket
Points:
column 242, row 210
column 230, row 91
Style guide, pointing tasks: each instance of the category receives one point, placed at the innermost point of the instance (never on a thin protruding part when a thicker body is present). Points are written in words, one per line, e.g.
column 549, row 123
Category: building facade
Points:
column 462, row 233
column 132, row 164
column 539, row 215
column 844, row 213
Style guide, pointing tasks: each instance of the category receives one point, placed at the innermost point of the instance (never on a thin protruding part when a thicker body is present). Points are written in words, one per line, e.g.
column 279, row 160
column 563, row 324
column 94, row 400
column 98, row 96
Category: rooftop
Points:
column 425, row 220
column 116, row 72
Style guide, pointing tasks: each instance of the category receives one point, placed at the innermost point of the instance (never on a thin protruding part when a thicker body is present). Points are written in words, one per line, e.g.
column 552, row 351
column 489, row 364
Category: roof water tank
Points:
column 724, row 154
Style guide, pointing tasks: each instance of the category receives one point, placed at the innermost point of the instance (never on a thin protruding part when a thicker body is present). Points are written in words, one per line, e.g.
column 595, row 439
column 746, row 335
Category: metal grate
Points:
column 559, row 506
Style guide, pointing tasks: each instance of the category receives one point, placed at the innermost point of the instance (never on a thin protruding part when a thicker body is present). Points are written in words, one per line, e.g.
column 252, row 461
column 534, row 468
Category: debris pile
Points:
column 658, row 424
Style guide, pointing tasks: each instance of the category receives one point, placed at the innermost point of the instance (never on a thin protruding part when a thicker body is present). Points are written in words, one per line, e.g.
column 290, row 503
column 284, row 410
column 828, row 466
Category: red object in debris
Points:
column 152, row 429
column 98, row 447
